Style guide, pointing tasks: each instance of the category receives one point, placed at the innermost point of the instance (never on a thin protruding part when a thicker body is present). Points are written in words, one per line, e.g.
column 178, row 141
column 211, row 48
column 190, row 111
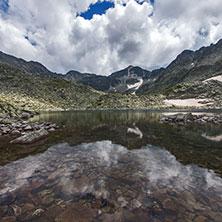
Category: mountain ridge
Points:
column 98, row 82
column 37, row 93
column 188, row 66
column 30, row 67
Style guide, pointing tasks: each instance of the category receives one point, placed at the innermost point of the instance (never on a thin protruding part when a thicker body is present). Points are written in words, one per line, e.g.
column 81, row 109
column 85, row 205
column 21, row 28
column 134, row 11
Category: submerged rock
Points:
column 189, row 117
column 9, row 219
column 77, row 213
column 31, row 137
column 3, row 210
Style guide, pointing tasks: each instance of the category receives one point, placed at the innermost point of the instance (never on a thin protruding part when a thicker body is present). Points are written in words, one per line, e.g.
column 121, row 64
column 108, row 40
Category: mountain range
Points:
column 185, row 77
column 20, row 90
column 189, row 66
column 124, row 81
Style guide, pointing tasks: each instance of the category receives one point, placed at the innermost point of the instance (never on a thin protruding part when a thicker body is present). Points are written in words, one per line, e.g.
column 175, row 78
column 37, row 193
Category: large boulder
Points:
column 31, row 137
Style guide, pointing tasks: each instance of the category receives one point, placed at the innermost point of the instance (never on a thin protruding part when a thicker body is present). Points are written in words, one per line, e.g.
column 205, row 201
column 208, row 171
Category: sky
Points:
column 105, row 36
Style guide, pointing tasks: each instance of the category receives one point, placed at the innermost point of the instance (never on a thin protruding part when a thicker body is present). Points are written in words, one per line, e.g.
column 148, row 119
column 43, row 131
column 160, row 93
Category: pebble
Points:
column 38, row 212
column 201, row 219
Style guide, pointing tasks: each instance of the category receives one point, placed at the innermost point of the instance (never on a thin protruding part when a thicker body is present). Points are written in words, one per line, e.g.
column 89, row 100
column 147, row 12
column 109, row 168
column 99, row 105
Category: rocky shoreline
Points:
column 191, row 118
column 26, row 132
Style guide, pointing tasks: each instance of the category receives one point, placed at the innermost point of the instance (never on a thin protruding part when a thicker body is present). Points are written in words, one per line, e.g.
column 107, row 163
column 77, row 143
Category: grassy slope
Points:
column 33, row 92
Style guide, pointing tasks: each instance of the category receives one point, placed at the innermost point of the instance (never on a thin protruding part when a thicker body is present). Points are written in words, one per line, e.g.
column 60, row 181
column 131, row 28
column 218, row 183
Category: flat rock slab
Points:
column 31, row 137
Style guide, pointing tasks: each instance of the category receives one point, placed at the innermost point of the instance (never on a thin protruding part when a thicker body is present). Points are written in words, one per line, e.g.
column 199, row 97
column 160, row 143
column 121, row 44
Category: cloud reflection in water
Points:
column 87, row 168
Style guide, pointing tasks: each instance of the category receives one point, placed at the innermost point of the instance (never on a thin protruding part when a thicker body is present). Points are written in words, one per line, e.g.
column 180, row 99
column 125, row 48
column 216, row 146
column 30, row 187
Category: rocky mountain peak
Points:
column 188, row 66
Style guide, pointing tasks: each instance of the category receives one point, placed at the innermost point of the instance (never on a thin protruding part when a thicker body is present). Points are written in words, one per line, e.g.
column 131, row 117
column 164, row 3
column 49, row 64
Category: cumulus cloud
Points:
column 145, row 34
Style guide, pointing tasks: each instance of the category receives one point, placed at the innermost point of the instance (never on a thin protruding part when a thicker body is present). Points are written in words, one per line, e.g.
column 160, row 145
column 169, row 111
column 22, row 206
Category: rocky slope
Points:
column 193, row 74
column 210, row 92
column 34, row 92
column 27, row 67
column 7, row 109
column 188, row 67
column 127, row 80
column 98, row 82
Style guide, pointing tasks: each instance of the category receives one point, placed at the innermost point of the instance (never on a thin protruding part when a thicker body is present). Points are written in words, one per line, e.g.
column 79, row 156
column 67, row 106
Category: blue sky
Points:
column 100, row 8
column 4, row 5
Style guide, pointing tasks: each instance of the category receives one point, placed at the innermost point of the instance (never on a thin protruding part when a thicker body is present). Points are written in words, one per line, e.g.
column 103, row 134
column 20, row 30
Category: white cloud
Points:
column 123, row 36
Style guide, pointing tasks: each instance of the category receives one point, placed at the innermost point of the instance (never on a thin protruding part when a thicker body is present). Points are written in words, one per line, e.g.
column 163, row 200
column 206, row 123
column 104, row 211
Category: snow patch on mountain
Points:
column 186, row 102
column 136, row 85
column 217, row 78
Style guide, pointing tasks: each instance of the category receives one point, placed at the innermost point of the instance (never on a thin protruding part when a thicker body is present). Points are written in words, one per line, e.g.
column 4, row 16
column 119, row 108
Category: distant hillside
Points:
column 127, row 80
column 193, row 74
column 27, row 67
column 98, row 82
column 35, row 92
column 188, row 67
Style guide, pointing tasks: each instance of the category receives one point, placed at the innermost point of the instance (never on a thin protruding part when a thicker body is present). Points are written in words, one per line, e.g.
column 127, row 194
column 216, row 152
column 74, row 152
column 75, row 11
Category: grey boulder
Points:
column 31, row 137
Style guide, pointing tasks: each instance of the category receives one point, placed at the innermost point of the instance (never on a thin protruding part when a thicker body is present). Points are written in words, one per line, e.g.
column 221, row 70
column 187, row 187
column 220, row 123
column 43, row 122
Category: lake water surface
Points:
column 114, row 166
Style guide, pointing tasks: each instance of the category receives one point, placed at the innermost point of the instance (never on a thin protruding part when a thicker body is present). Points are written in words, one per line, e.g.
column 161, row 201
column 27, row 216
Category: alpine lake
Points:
column 114, row 166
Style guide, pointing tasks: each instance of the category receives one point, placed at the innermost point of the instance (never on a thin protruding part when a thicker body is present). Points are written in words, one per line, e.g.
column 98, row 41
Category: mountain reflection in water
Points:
column 110, row 180
column 135, row 129
column 217, row 138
